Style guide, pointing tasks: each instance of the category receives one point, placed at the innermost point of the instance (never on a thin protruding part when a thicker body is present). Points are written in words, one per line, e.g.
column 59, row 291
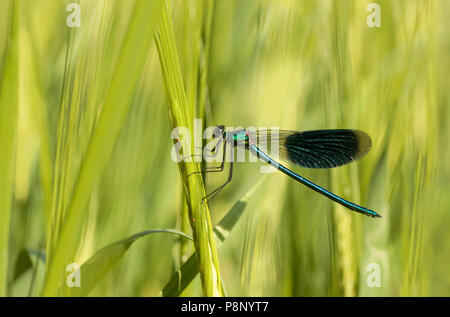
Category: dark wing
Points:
column 321, row 148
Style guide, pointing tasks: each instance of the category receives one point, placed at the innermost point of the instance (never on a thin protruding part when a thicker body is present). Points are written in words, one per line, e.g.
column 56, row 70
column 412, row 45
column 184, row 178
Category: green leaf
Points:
column 23, row 263
column 8, row 125
column 94, row 269
column 36, row 255
column 28, row 273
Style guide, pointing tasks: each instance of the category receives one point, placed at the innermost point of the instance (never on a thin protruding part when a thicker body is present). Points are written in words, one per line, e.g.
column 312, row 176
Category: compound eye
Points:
column 221, row 127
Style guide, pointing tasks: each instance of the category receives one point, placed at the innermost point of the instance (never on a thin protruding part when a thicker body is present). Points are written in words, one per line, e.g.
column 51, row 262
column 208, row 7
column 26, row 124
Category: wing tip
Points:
column 326, row 148
column 364, row 142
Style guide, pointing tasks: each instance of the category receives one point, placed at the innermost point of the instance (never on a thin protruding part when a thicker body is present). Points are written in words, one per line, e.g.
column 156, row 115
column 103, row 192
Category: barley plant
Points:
column 93, row 204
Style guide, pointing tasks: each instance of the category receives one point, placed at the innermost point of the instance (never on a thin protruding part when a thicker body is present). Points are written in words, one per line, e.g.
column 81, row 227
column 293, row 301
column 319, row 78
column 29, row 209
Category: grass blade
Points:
column 181, row 116
column 8, row 124
column 94, row 269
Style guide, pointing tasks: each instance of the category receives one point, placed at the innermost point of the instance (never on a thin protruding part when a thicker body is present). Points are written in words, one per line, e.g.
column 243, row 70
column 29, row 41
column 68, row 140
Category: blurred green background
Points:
column 296, row 65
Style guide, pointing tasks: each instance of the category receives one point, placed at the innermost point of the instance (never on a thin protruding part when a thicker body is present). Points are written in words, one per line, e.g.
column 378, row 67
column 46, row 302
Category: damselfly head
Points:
column 221, row 128
column 221, row 133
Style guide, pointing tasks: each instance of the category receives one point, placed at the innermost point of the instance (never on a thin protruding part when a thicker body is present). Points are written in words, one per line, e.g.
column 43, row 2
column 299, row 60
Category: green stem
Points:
column 8, row 124
column 180, row 116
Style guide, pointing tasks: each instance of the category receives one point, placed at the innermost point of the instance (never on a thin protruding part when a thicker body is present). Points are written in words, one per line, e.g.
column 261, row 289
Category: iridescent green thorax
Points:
column 240, row 138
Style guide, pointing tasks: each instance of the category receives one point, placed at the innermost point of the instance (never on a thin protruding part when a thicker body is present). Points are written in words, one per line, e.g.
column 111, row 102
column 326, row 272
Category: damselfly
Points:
column 311, row 149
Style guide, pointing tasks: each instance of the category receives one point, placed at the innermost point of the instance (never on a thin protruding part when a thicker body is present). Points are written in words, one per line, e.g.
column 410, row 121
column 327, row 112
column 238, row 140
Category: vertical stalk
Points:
column 180, row 115
column 8, row 125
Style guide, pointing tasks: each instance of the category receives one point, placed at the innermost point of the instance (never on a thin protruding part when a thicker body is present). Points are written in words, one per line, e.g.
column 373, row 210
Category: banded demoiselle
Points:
column 310, row 149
